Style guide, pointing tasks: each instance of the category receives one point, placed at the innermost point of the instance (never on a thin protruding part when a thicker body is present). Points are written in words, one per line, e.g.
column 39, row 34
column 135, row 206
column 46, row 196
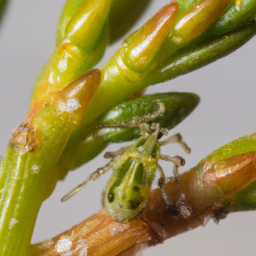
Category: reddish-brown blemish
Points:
column 23, row 137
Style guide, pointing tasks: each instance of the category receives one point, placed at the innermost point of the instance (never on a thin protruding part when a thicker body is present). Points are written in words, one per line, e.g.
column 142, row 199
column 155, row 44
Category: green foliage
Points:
column 182, row 37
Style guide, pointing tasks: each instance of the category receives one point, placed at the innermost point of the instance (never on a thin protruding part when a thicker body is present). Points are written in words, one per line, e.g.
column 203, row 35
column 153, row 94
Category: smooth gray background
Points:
column 226, row 112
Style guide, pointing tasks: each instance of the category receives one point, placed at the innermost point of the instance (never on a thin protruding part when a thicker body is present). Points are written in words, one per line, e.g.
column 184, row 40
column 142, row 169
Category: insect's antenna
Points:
column 137, row 120
column 150, row 117
column 93, row 176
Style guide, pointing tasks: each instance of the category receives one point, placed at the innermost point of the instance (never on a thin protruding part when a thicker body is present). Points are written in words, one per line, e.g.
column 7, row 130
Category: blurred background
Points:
column 226, row 112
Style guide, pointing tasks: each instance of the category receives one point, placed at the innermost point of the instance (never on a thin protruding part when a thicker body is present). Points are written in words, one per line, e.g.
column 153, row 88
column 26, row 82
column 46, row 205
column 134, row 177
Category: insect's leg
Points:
column 143, row 121
column 93, row 176
column 161, row 182
column 113, row 154
column 162, row 131
column 180, row 206
column 176, row 138
column 177, row 160
column 162, row 179
column 144, row 130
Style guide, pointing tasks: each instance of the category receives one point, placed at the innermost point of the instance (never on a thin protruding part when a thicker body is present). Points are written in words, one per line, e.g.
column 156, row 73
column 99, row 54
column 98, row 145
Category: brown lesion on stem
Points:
column 23, row 137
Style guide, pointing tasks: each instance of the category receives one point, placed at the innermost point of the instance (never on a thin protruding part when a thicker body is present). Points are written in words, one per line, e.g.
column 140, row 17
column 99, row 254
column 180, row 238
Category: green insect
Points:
column 134, row 168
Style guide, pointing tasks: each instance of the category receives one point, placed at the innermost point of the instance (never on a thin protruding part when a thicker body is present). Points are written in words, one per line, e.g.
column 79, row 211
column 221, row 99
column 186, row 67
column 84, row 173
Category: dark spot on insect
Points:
column 160, row 135
column 136, row 203
column 110, row 198
column 136, row 189
column 119, row 184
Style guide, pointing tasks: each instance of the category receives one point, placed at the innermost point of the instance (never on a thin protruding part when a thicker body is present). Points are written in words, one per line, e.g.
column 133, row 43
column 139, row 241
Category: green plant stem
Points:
column 28, row 172
column 17, row 223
